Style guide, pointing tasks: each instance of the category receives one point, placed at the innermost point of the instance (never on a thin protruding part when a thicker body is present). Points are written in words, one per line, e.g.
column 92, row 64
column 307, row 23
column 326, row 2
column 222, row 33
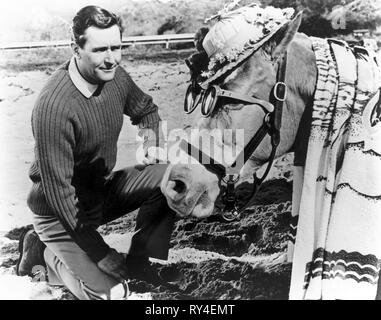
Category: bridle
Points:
column 228, row 176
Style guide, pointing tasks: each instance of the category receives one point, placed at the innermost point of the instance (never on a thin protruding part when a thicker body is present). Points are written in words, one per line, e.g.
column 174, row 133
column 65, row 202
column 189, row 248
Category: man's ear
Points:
column 280, row 41
column 75, row 49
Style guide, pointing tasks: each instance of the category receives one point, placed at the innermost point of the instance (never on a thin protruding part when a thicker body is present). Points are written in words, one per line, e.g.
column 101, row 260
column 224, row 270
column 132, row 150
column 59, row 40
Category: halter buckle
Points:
column 230, row 211
column 231, row 178
column 279, row 90
column 230, row 216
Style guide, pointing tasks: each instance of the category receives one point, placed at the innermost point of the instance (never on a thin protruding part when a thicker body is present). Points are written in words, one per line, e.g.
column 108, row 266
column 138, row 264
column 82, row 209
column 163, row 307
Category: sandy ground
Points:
column 208, row 259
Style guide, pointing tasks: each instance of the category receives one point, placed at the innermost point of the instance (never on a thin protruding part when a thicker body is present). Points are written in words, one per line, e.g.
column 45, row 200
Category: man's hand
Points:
column 114, row 264
column 153, row 144
column 154, row 155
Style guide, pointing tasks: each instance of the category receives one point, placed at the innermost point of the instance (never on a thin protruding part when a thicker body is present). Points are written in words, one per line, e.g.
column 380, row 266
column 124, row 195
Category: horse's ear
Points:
column 280, row 41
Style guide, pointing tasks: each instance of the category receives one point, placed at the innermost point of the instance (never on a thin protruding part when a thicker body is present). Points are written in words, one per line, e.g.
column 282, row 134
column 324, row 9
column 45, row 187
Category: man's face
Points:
column 100, row 55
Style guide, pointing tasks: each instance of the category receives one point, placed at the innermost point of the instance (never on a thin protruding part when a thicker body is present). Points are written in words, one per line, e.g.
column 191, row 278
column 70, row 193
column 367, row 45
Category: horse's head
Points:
column 235, row 120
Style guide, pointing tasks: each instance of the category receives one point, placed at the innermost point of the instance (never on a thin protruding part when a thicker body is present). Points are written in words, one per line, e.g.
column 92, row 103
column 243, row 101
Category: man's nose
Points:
column 109, row 58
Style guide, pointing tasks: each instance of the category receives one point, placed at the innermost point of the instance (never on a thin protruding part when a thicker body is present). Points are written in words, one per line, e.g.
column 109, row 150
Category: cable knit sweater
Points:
column 76, row 147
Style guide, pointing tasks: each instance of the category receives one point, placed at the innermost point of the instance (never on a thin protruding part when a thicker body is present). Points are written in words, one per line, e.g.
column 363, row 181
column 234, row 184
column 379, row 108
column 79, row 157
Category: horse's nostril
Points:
column 180, row 187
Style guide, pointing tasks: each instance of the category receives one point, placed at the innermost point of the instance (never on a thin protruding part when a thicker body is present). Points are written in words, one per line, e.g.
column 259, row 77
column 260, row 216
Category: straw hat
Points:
column 237, row 34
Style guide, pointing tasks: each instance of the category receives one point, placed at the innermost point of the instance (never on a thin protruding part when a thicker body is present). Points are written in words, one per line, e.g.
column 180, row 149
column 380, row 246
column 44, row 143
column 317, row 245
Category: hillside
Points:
column 141, row 17
column 51, row 21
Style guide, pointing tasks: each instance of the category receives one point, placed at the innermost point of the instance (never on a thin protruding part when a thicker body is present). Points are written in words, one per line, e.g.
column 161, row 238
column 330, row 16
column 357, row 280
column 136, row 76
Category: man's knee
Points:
column 138, row 177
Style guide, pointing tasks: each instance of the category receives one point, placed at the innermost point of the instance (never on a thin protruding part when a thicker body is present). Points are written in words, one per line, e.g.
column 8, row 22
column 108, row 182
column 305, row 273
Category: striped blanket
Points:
column 337, row 195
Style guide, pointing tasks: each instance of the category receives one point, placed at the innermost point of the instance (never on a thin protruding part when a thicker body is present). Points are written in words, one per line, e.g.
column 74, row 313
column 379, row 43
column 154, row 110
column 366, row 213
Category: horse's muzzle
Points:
column 190, row 190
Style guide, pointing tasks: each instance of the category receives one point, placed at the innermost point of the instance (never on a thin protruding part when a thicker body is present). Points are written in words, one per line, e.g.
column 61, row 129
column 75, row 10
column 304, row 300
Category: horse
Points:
column 192, row 189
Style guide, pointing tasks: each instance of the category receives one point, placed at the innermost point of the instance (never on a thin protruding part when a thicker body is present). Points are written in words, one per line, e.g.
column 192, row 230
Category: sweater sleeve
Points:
column 54, row 131
column 139, row 105
column 143, row 112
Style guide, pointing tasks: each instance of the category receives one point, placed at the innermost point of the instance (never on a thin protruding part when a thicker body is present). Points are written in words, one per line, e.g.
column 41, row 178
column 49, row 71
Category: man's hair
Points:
column 92, row 16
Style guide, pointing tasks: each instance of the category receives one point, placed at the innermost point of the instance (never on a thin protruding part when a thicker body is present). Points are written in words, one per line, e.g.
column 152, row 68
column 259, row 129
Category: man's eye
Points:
column 100, row 50
column 113, row 48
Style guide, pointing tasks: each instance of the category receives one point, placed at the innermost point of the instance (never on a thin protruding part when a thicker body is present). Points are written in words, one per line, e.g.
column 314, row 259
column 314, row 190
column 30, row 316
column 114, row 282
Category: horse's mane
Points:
column 302, row 82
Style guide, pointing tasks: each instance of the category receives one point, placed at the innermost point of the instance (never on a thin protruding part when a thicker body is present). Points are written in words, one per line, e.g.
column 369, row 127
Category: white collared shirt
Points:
column 85, row 87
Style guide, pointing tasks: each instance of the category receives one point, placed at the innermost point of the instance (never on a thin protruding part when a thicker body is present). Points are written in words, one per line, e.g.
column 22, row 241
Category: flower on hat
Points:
column 233, row 53
column 212, row 64
column 207, row 74
column 288, row 13
column 272, row 13
column 271, row 25
column 220, row 60
column 219, row 57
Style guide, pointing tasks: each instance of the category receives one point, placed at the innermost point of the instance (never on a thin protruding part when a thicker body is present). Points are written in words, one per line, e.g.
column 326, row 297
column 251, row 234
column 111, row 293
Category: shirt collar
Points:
column 85, row 87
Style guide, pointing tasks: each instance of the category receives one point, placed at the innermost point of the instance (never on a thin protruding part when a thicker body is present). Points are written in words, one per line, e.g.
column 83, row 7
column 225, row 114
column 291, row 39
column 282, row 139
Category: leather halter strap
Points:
column 267, row 106
column 209, row 163
column 272, row 125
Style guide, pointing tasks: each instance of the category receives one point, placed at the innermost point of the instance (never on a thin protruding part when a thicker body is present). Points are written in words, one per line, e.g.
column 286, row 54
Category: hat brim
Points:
column 242, row 57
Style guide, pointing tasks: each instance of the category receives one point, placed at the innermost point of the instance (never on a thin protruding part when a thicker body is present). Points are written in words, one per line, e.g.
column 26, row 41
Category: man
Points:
column 76, row 122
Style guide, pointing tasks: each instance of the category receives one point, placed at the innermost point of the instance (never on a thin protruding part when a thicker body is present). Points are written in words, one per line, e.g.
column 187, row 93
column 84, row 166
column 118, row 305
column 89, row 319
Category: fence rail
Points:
column 166, row 39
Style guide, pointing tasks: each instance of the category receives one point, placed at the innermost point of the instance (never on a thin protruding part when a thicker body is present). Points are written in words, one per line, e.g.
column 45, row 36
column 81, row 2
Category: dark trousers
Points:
column 126, row 190
column 139, row 187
